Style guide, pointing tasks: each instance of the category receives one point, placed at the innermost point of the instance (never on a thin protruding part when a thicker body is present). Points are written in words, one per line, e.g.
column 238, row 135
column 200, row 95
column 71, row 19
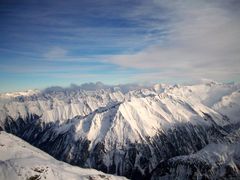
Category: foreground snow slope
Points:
column 20, row 160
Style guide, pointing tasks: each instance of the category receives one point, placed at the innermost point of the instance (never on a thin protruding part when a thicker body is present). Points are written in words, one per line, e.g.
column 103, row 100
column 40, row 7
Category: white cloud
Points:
column 203, row 42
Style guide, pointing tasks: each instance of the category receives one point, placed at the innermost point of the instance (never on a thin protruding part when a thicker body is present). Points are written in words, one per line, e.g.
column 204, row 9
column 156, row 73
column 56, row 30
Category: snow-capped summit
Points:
column 29, row 92
column 124, row 130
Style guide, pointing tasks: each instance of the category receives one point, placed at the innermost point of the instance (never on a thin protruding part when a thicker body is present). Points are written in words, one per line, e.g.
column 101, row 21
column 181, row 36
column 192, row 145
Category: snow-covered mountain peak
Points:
column 124, row 129
column 138, row 119
column 160, row 87
column 29, row 92
column 63, row 104
column 207, row 93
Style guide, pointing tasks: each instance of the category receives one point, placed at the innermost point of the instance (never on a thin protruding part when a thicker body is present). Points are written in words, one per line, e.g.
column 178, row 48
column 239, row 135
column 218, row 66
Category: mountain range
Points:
column 140, row 132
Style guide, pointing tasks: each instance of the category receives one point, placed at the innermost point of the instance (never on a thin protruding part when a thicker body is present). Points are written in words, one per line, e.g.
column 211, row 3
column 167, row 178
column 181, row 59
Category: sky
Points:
column 57, row 42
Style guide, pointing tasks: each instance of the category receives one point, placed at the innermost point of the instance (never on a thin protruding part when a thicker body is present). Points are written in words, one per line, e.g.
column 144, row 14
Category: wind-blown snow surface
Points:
column 121, row 130
column 20, row 160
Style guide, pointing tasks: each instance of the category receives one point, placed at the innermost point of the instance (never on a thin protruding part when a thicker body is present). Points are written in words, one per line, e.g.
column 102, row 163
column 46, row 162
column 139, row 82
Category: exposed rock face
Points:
column 138, row 134
column 214, row 161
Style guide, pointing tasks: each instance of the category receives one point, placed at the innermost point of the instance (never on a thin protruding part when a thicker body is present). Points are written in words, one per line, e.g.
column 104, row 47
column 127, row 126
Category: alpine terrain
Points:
column 140, row 132
column 20, row 160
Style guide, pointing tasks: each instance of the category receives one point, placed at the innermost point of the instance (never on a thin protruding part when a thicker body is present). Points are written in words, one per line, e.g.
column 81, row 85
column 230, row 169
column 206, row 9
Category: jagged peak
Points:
column 29, row 92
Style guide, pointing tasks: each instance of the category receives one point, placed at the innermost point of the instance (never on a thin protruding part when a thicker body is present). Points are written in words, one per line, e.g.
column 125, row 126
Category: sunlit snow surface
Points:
column 20, row 160
column 122, row 117
column 141, row 112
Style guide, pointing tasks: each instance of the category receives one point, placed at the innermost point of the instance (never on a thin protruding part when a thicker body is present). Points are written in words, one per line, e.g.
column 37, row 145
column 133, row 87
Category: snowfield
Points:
column 126, row 130
column 20, row 160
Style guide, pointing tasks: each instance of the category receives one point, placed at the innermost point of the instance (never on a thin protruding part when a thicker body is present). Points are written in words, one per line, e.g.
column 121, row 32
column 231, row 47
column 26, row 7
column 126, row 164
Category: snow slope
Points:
column 55, row 106
column 229, row 105
column 125, row 131
column 62, row 104
column 20, row 160
column 138, row 119
column 214, row 161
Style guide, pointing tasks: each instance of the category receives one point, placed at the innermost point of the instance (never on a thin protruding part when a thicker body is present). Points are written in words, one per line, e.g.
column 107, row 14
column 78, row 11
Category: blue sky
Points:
column 45, row 43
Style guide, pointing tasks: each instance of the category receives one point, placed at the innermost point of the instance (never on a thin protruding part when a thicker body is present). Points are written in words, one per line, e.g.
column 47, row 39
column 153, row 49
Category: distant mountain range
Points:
column 140, row 132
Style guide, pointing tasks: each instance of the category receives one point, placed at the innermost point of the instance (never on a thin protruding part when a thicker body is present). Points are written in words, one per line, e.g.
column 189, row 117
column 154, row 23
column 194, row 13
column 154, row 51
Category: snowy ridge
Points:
column 64, row 104
column 19, row 160
column 20, row 93
column 229, row 105
column 58, row 106
column 140, row 118
column 208, row 94
column 125, row 131
column 214, row 161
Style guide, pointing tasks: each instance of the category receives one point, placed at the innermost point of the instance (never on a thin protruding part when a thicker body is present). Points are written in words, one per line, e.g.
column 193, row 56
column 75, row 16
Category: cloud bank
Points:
column 203, row 41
